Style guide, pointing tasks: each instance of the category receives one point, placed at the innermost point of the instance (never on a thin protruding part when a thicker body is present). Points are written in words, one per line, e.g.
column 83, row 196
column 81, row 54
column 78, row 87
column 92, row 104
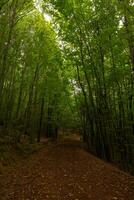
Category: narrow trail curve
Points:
column 65, row 171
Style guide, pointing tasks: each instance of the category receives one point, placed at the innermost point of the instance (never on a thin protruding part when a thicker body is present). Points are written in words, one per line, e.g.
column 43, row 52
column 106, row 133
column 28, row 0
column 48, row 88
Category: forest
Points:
column 69, row 65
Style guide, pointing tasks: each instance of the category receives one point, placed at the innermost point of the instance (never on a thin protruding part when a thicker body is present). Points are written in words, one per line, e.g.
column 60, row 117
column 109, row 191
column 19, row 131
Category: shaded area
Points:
column 65, row 170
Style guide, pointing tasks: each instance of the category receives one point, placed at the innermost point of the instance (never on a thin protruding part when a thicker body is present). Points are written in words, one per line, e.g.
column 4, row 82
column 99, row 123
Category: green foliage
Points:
column 97, row 38
column 76, row 71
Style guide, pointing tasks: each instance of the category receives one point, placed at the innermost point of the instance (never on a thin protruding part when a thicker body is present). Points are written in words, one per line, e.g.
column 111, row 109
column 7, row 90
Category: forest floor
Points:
column 65, row 171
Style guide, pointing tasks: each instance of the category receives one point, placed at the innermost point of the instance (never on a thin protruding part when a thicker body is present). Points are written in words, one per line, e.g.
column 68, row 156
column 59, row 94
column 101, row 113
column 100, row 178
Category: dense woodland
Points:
column 69, row 65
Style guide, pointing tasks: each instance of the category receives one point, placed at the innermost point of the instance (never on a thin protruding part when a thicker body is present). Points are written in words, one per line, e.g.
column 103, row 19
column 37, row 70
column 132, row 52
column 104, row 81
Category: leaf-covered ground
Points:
column 65, row 171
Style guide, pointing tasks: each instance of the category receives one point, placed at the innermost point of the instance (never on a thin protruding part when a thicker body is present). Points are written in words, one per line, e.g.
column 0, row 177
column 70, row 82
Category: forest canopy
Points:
column 69, row 65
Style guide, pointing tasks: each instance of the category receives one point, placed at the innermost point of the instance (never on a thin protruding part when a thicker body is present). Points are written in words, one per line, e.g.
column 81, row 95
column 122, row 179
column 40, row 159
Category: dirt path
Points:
column 65, row 172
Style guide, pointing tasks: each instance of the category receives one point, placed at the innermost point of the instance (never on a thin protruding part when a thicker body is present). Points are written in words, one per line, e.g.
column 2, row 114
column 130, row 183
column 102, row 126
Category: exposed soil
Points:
column 65, row 171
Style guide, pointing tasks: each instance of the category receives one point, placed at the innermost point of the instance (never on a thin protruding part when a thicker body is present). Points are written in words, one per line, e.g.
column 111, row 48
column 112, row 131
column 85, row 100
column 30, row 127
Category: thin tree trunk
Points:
column 40, row 121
